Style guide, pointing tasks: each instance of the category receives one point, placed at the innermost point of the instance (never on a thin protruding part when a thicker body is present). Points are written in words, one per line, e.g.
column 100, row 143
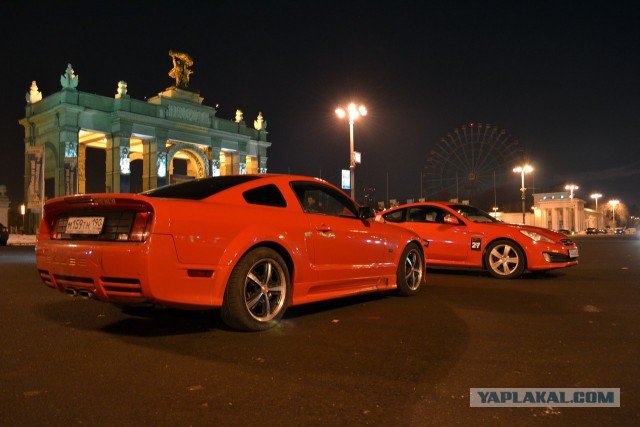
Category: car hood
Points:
column 558, row 237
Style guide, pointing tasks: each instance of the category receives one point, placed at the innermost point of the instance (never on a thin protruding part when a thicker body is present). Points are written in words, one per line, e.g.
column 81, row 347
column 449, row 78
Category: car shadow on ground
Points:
column 157, row 321
column 470, row 272
column 334, row 341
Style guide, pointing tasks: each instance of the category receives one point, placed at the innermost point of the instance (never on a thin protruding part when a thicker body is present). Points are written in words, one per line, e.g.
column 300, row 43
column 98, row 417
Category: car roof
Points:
column 427, row 203
column 201, row 188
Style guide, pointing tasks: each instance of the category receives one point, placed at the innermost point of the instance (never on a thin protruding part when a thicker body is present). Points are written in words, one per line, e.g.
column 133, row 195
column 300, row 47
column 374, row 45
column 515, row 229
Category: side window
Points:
column 418, row 214
column 430, row 214
column 436, row 215
column 267, row 195
column 323, row 200
column 395, row 216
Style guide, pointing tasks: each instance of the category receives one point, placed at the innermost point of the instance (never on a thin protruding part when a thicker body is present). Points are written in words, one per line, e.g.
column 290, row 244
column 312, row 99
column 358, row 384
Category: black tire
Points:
column 410, row 270
column 258, row 291
column 504, row 259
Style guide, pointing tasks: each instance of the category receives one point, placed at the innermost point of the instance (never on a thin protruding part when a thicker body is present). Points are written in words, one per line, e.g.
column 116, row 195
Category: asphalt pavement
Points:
column 367, row 360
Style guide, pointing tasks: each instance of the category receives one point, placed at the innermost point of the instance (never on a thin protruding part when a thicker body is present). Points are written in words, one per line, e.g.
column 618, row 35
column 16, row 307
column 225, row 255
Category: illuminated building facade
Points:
column 133, row 145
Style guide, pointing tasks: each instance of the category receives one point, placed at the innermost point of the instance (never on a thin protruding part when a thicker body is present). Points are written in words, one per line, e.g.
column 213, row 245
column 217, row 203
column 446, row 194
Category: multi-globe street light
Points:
column 571, row 188
column 596, row 196
column 522, row 170
column 613, row 204
column 353, row 112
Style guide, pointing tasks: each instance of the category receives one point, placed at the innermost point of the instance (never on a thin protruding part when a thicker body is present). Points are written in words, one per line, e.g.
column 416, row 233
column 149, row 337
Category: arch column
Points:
column 71, row 167
column 82, row 165
column 262, row 167
column 118, row 169
column 154, row 163
column 67, row 171
column 242, row 163
column 215, row 161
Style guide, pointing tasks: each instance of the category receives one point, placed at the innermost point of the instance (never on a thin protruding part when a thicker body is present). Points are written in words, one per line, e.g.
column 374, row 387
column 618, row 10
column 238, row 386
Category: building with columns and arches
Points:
column 558, row 211
column 137, row 144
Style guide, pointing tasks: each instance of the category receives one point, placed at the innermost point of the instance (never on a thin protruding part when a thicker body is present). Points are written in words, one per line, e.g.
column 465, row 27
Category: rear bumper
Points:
column 128, row 272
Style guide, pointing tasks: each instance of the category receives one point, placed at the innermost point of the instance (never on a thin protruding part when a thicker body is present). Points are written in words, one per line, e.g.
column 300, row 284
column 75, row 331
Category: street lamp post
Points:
column 613, row 204
column 23, row 211
column 353, row 112
column 571, row 188
column 596, row 196
column 522, row 170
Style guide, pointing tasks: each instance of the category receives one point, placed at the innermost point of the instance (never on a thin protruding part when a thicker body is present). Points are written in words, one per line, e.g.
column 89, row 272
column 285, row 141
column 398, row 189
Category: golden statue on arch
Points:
column 181, row 71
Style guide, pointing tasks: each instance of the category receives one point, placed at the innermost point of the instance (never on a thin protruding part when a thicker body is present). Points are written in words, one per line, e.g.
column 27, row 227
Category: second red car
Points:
column 460, row 235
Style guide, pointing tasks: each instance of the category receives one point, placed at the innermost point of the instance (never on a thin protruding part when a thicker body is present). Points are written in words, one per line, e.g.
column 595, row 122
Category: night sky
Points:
column 561, row 77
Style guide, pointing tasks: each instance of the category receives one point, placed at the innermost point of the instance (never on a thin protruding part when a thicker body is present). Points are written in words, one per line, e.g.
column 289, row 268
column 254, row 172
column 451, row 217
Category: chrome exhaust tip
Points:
column 72, row 292
column 85, row 294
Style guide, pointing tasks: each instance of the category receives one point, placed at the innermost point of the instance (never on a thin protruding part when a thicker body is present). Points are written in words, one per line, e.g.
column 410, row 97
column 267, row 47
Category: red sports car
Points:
column 463, row 236
column 250, row 244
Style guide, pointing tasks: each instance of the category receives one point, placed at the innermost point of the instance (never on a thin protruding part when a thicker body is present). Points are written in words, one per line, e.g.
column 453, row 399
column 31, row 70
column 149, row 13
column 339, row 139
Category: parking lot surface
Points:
column 368, row 360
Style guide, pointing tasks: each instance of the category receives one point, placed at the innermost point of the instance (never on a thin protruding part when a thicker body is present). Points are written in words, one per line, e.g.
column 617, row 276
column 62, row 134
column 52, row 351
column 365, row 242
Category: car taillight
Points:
column 54, row 229
column 141, row 227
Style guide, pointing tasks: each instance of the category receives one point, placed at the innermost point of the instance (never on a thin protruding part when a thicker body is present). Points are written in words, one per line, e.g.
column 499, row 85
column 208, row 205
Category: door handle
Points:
column 325, row 231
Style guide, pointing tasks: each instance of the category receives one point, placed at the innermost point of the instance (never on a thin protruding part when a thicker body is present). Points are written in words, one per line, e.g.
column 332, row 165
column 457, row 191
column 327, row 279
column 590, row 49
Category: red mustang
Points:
column 463, row 236
column 250, row 244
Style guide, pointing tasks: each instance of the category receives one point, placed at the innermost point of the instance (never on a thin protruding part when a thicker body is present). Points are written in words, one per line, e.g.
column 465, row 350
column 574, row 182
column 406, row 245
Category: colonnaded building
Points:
column 143, row 144
column 559, row 210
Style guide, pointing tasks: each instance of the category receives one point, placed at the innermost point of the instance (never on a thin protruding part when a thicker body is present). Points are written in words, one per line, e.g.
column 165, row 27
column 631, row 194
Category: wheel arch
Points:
column 420, row 245
column 506, row 239
column 234, row 254
column 281, row 250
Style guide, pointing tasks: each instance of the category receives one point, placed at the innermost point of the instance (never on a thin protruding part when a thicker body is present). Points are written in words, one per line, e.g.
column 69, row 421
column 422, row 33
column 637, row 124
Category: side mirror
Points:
column 366, row 212
column 452, row 220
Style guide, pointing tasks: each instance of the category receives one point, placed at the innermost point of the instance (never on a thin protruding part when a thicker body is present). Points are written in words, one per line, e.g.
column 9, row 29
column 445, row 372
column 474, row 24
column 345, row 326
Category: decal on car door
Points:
column 476, row 243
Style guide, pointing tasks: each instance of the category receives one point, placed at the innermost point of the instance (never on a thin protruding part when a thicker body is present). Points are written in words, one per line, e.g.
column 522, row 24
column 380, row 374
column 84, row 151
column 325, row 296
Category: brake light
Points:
column 54, row 229
column 141, row 227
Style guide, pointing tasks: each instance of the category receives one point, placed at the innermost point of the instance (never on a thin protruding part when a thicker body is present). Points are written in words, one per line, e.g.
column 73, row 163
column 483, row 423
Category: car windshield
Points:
column 473, row 214
column 199, row 189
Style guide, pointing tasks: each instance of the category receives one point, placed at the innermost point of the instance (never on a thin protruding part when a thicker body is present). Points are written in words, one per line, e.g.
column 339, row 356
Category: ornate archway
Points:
column 195, row 155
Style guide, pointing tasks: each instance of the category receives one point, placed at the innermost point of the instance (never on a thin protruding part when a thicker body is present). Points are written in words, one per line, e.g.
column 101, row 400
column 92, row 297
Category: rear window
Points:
column 267, row 195
column 199, row 189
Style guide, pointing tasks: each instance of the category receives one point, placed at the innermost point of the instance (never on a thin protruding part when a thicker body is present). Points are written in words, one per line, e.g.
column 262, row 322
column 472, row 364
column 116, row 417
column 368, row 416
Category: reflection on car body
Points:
column 464, row 236
column 249, row 244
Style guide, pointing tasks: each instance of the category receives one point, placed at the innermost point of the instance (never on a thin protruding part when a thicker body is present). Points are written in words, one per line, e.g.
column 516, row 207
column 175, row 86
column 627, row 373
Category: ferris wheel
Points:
column 468, row 161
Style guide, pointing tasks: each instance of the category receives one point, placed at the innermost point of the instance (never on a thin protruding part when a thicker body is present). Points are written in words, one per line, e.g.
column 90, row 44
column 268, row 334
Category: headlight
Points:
column 537, row 237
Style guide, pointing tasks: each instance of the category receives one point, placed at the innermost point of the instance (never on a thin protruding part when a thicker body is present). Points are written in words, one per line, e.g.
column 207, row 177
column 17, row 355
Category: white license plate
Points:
column 85, row 225
column 573, row 253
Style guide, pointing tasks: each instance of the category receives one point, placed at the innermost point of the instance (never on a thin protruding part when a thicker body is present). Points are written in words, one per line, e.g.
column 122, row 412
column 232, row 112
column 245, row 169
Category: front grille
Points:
column 116, row 223
column 556, row 257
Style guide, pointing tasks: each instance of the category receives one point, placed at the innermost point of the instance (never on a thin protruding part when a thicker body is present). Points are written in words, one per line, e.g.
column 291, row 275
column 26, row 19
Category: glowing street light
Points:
column 522, row 170
column 23, row 211
column 596, row 196
column 353, row 112
column 571, row 188
column 613, row 204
